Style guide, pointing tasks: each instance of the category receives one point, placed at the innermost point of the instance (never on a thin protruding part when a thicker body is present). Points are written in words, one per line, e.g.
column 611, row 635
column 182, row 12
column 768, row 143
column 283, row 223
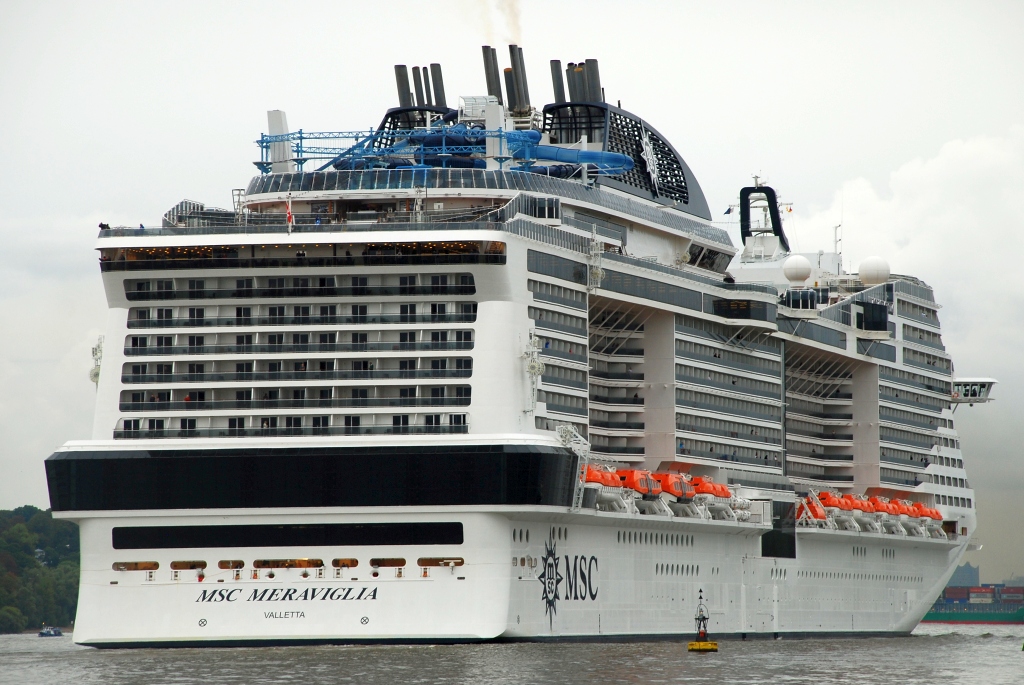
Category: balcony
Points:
column 617, row 449
column 338, row 375
column 564, row 382
column 769, row 460
column 819, row 455
column 288, row 432
column 845, row 437
column 358, row 320
column 735, row 435
column 826, row 477
column 605, row 399
column 617, row 375
column 921, row 463
column 335, row 403
column 732, row 387
column 339, row 291
column 909, row 482
column 721, row 361
column 169, row 350
column 705, row 406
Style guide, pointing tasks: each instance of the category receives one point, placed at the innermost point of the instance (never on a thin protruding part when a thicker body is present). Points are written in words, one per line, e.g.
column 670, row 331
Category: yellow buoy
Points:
column 702, row 643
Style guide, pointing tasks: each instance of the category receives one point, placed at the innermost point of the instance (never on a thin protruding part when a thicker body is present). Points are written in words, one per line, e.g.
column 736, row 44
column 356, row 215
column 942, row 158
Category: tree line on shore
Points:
column 39, row 559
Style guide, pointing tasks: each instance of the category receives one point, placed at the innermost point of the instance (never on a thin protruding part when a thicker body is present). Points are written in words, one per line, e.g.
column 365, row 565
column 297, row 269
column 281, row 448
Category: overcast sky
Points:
column 905, row 120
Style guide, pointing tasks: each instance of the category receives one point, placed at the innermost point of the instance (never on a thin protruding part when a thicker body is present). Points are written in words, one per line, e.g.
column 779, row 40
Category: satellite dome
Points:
column 873, row 271
column 797, row 269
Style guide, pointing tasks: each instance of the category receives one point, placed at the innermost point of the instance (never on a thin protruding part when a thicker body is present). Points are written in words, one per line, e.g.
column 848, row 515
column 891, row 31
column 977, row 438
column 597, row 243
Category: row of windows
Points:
column 916, row 311
column 323, row 369
column 279, row 314
column 740, row 431
column 545, row 424
column 909, row 417
column 276, row 286
column 912, row 458
column 386, row 341
column 950, row 481
column 556, row 293
column 686, row 348
column 297, row 396
column 941, row 364
column 845, row 575
column 554, row 373
column 714, row 450
column 728, row 381
column 951, row 501
column 631, row 537
column 571, row 349
column 728, row 405
column 557, row 320
column 915, row 379
column 906, row 437
column 291, row 422
column 915, row 334
column 926, row 402
column 561, row 400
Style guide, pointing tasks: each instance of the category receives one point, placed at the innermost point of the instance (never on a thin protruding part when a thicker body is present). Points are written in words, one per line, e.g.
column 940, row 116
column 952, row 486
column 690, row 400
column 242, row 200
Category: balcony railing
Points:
column 900, row 440
column 203, row 263
column 620, row 425
column 819, row 455
column 288, row 432
column 338, row 375
column 922, row 462
column 605, row 399
column 421, row 346
column 358, row 320
column 566, row 409
column 721, row 361
column 610, row 449
column 335, row 403
column 882, row 397
column 819, row 436
column 564, row 382
column 617, row 375
column 771, row 460
column 827, row 477
column 559, row 354
column 735, row 435
column 338, row 291
column 893, row 480
column 697, row 380
column 564, row 301
column 725, row 410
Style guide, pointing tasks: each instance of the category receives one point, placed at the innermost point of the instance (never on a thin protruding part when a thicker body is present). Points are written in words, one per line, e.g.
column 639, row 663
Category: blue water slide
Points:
column 612, row 162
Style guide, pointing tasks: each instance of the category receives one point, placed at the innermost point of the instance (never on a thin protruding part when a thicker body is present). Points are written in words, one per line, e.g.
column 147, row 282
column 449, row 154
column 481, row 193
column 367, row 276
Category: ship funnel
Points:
column 556, row 81
column 280, row 153
column 426, row 85
column 595, row 93
column 418, row 85
column 491, row 72
column 522, row 101
column 510, row 88
column 402, row 81
column 435, row 75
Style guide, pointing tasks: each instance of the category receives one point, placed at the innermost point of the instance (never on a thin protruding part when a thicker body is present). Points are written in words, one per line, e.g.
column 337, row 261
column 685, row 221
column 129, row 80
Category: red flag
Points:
column 289, row 211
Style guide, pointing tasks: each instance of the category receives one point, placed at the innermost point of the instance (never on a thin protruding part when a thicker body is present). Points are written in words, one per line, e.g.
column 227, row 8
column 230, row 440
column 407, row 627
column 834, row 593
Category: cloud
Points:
column 954, row 220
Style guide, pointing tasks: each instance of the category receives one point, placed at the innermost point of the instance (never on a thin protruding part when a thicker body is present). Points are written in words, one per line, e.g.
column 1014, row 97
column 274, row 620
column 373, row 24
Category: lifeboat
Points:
column 704, row 485
column 926, row 512
column 674, row 484
column 883, row 506
column 860, row 503
column 903, row 508
column 831, row 501
column 640, row 481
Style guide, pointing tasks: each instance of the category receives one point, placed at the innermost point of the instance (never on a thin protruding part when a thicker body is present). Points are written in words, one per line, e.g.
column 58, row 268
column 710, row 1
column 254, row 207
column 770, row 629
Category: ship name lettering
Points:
column 581, row 577
column 284, row 614
column 220, row 595
column 291, row 594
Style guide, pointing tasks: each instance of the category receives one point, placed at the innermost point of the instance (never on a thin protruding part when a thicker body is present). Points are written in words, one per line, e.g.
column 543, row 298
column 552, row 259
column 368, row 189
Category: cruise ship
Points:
column 490, row 371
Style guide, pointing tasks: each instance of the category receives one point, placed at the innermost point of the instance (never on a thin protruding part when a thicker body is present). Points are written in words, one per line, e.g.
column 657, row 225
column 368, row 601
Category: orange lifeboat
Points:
column 703, row 485
column 638, row 480
column 674, row 484
column 883, row 507
column 902, row 508
column 921, row 511
column 860, row 504
column 813, row 509
column 595, row 475
column 829, row 499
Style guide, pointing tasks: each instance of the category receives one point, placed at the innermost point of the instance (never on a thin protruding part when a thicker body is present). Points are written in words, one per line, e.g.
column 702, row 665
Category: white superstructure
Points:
column 419, row 394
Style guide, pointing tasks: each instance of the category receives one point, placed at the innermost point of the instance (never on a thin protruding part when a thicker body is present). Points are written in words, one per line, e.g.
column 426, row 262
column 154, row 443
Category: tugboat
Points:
column 702, row 643
column 50, row 631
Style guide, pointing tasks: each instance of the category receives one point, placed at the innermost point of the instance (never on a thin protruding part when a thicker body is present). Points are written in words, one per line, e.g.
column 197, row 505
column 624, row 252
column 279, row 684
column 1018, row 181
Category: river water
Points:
column 935, row 654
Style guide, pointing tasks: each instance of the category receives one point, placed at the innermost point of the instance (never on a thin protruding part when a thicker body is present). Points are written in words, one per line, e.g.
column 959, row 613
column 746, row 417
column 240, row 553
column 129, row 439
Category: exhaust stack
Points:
column 435, row 75
column 426, row 85
column 280, row 153
column 595, row 94
column 418, row 85
column 522, row 100
column 491, row 72
column 556, row 81
column 510, row 88
column 402, row 81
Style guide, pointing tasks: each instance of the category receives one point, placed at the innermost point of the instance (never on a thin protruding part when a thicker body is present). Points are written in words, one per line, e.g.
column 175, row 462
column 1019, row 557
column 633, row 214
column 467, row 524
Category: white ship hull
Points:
column 615, row 577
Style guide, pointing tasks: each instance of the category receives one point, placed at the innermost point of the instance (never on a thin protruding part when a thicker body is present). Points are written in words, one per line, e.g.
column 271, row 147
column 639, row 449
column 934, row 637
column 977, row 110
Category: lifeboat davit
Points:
column 810, row 508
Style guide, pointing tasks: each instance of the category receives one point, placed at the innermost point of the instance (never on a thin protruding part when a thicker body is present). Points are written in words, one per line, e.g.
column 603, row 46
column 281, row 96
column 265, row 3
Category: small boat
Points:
column 50, row 631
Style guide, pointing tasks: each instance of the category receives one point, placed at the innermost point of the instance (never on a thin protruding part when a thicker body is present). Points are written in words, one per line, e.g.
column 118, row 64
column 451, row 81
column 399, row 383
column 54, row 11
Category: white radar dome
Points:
column 873, row 271
column 797, row 269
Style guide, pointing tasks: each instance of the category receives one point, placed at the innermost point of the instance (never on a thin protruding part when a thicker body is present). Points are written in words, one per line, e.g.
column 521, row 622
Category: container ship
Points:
column 490, row 371
column 982, row 604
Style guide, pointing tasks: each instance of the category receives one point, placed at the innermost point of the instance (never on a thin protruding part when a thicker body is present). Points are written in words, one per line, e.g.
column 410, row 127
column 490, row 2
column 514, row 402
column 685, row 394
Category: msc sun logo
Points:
column 550, row 579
